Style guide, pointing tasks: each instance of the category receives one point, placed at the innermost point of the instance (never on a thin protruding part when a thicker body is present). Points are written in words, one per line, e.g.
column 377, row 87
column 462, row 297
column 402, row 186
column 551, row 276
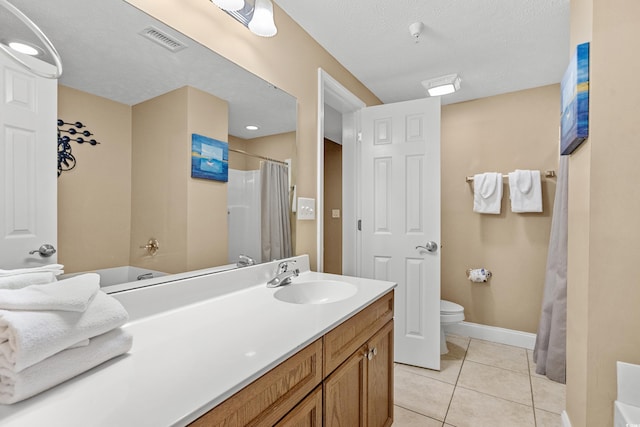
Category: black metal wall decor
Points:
column 66, row 160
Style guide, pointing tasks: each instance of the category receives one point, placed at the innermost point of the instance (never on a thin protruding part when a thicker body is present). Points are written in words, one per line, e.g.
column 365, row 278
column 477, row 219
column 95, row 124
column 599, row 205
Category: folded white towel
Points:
column 23, row 280
column 57, row 269
column 525, row 191
column 72, row 294
column 27, row 337
column 65, row 365
column 487, row 192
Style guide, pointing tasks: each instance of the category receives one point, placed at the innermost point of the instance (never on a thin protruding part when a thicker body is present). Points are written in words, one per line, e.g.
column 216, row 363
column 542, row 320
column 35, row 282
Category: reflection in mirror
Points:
column 143, row 89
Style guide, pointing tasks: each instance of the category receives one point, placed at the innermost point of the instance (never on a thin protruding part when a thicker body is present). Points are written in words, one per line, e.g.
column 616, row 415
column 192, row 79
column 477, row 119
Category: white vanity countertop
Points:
column 186, row 360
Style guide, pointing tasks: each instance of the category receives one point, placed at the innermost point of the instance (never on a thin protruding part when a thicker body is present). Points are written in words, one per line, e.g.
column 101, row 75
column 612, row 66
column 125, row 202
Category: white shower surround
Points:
column 243, row 210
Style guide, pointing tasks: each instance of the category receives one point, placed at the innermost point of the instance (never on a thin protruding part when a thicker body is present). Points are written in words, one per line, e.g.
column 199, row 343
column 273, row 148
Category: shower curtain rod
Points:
column 258, row 156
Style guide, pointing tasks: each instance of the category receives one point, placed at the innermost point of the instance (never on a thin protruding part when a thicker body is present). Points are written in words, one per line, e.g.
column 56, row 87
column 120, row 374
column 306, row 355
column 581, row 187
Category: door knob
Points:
column 45, row 250
column 430, row 246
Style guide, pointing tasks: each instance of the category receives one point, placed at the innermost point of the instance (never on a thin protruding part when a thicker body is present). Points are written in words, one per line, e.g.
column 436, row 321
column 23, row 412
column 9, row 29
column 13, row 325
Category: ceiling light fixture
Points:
column 257, row 15
column 262, row 22
column 251, row 127
column 24, row 48
column 229, row 4
column 442, row 85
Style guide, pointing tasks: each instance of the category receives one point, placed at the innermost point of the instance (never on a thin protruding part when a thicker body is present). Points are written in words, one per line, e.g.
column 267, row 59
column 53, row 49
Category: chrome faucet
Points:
column 245, row 261
column 284, row 274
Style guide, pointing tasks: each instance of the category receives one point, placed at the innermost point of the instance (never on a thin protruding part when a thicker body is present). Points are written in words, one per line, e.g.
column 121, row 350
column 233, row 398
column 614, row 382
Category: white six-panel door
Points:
column 28, row 166
column 400, row 186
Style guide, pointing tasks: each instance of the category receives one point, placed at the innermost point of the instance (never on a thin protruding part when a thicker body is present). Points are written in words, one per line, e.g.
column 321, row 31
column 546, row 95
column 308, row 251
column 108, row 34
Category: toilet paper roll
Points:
column 479, row 275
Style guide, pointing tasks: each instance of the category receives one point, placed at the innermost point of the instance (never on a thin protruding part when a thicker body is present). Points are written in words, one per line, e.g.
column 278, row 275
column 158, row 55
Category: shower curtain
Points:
column 276, row 228
column 549, row 352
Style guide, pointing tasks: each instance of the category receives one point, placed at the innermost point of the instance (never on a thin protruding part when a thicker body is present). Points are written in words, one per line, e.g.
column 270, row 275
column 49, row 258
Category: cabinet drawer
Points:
column 346, row 338
column 308, row 413
column 273, row 395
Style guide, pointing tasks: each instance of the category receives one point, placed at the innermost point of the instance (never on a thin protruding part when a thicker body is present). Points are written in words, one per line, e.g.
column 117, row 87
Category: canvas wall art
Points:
column 209, row 158
column 574, row 100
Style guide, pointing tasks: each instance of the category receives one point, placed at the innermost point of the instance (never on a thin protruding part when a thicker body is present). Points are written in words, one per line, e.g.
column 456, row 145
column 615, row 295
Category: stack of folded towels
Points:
column 52, row 331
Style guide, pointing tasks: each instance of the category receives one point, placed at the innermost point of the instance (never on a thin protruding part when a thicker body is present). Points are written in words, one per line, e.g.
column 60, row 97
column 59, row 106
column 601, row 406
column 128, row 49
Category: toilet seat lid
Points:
column 448, row 307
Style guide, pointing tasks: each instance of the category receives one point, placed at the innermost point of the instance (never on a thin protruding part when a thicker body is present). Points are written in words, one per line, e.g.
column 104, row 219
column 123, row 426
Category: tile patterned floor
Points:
column 480, row 384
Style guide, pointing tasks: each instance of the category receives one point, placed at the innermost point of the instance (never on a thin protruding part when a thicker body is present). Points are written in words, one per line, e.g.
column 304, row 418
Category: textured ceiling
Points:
column 103, row 54
column 496, row 46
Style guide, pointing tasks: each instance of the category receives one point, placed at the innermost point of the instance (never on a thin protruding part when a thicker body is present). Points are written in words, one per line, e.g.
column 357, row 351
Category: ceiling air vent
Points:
column 163, row 39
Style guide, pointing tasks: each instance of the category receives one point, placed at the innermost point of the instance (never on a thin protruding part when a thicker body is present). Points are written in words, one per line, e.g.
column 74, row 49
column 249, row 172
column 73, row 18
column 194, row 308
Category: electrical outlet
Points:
column 335, row 213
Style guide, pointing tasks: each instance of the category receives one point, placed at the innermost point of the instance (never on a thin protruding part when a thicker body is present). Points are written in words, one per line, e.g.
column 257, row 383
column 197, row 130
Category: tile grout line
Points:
column 533, row 402
column 455, row 386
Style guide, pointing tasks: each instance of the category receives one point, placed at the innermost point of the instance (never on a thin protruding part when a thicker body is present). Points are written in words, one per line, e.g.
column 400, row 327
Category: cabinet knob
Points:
column 371, row 353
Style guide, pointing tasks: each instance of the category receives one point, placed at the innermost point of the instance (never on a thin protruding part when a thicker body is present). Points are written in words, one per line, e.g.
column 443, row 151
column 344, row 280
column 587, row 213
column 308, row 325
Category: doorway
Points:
column 333, row 96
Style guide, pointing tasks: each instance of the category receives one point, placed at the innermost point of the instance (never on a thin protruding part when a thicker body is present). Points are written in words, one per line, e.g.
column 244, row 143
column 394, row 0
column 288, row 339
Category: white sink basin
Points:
column 316, row 292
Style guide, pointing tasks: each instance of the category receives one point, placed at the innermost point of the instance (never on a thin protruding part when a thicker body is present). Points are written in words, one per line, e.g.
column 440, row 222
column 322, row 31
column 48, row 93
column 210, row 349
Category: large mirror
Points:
column 141, row 90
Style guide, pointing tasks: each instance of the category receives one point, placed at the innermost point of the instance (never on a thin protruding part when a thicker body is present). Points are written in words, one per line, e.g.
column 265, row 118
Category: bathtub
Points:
column 117, row 275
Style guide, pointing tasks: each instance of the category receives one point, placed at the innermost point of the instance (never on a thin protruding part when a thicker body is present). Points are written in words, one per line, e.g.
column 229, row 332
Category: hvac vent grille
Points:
column 163, row 39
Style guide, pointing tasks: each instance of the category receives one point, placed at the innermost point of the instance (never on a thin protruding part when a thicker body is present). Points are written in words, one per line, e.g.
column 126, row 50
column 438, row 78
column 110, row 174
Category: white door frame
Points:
column 332, row 93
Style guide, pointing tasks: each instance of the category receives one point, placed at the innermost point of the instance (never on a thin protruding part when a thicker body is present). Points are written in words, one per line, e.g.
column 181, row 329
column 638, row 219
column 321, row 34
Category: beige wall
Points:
column 183, row 213
column 158, row 181
column 207, row 231
column 94, row 199
column 603, row 317
column 278, row 147
column 502, row 133
column 236, row 160
column 290, row 61
column 332, row 200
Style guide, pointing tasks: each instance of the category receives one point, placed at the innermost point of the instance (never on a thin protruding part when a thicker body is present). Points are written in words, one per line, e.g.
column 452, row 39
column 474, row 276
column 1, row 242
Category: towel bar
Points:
column 547, row 174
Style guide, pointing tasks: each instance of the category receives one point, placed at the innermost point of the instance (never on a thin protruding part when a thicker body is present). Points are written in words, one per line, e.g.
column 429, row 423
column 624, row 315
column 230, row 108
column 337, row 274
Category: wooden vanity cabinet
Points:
column 343, row 379
column 360, row 391
column 269, row 398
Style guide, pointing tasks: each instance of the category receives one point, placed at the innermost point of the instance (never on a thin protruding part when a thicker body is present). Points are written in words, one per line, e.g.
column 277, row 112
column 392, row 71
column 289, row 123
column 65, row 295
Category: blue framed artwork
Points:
column 574, row 100
column 209, row 158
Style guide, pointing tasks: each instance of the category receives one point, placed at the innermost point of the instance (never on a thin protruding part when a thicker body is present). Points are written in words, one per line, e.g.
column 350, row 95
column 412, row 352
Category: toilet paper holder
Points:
column 480, row 274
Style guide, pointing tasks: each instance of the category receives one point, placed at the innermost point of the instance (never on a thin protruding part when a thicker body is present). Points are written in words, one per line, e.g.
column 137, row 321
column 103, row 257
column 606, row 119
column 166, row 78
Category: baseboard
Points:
column 565, row 419
column 494, row 334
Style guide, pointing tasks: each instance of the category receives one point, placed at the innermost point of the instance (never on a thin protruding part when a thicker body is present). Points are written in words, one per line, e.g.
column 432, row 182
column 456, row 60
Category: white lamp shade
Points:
column 229, row 4
column 262, row 22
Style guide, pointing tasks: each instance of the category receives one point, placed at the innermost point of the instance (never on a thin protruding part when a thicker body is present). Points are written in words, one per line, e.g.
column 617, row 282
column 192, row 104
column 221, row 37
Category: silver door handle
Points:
column 45, row 250
column 430, row 246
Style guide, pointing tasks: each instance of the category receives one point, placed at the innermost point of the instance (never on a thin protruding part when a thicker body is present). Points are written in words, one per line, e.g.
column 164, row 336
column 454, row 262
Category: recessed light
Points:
column 24, row 48
column 251, row 127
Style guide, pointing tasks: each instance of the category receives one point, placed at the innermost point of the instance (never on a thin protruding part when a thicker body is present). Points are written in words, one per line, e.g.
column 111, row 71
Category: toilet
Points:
column 450, row 313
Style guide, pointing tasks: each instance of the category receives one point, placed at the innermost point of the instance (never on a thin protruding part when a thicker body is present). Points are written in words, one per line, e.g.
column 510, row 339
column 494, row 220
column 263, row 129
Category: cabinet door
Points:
column 307, row 413
column 345, row 393
column 380, row 378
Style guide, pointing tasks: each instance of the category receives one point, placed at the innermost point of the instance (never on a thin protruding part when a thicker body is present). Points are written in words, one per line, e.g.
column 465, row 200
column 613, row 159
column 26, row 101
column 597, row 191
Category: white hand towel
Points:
column 27, row 337
column 65, row 365
column 23, row 280
column 487, row 192
column 525, row 191
column 72, row 294
column 57, row 269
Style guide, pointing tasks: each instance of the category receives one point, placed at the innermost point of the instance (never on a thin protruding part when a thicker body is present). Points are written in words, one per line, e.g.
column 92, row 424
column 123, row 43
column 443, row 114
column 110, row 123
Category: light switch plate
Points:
column 335, row 213
column 306, row 208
